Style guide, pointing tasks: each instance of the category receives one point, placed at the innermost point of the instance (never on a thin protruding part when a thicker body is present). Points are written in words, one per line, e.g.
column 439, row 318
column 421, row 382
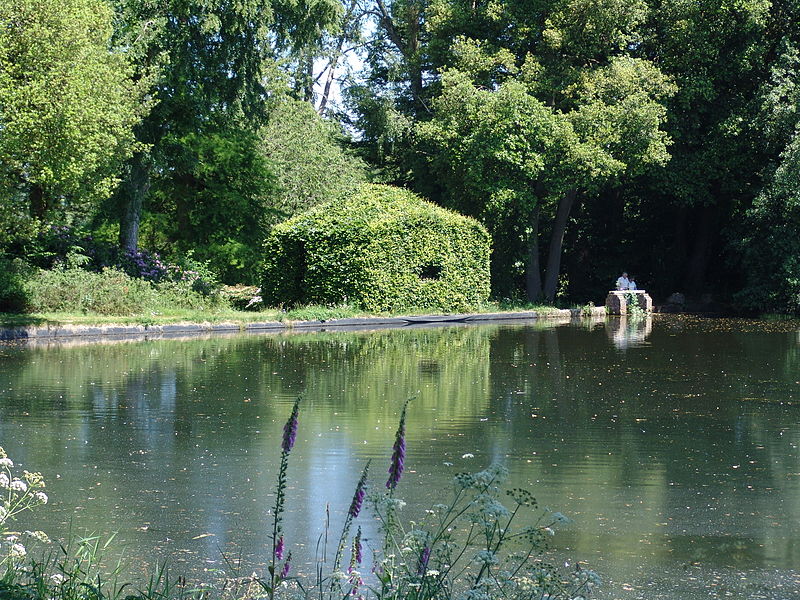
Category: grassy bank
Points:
column 226, row 314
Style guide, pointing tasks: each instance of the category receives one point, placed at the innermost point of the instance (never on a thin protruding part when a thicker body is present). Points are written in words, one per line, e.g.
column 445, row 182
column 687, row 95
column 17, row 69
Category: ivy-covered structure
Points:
column 384, row 249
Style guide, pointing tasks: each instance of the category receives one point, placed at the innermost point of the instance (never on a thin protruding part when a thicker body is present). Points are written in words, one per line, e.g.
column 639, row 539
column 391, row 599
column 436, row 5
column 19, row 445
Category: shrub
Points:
column 110, row 292
column 12, row 287
column 62, row 247
column 383, row 249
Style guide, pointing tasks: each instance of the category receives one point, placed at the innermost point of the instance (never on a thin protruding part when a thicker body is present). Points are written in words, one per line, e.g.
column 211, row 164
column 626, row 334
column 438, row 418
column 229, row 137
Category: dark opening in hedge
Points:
column 431, row 272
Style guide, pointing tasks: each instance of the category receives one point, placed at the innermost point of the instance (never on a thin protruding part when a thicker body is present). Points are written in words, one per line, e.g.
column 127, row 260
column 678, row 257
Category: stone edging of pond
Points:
column 58, row 332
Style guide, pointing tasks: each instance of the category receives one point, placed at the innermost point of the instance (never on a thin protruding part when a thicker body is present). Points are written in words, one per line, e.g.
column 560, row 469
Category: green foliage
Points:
column 502, row 154
column 13, row 297
column 213, row 69
column 491, row 147
column 770, row 257
column 305, row 152
column 383, row 249
column 321, row 313
column 110, row 292
column 217, row 195
column 67, row 104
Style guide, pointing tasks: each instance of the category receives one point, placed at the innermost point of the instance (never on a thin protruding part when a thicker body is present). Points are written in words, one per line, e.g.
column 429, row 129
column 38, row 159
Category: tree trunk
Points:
column 533, row 276
column 133, row 193
column 408, row 46
column 334, row 62
column 308, row 93
column 556, row 242
column 413, row 55
column 38, row 202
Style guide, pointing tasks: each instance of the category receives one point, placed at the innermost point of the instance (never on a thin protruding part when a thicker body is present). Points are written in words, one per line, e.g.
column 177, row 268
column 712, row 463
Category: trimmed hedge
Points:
column 383, row 249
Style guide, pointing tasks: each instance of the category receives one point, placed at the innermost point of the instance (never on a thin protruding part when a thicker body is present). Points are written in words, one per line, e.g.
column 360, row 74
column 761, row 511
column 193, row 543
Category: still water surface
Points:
column 673, row 445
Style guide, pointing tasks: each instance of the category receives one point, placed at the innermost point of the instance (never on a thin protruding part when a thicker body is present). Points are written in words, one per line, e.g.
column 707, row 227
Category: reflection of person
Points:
column 623, row 282
column 631, row 284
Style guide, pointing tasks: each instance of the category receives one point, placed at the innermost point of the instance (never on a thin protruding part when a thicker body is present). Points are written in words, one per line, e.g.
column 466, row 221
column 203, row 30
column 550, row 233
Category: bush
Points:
column 383, row 249
column 13, row 297
column 110, row 292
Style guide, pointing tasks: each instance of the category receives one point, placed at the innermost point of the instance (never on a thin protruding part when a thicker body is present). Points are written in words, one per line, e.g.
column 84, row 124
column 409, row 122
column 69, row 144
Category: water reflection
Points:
column 680, row 458
column 629, row 331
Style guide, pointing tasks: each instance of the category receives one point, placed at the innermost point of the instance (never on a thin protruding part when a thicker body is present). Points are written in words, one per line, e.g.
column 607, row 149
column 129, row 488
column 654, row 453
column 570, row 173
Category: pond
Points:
column 673, row 445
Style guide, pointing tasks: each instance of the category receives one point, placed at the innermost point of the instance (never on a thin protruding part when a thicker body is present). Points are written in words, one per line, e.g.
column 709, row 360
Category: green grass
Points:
column 229, row 315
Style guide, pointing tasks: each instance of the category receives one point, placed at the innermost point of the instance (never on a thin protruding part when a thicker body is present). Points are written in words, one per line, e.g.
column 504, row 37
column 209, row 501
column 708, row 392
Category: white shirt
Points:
column 632, row 285
column 623, row 283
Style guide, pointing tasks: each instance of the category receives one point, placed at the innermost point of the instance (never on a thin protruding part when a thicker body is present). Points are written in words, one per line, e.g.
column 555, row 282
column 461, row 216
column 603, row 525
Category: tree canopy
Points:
column 588, row 136
column 67, row 106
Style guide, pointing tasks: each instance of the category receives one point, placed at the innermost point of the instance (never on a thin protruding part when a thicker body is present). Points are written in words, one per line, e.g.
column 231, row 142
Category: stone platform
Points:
column 617, row 302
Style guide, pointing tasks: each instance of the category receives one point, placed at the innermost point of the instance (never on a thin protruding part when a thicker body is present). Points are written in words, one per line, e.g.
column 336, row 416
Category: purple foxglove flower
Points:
column 424, row 556
column 290, row 429
column 358, row 496
column 398, row 452
column 279, row 549
column 286, row 566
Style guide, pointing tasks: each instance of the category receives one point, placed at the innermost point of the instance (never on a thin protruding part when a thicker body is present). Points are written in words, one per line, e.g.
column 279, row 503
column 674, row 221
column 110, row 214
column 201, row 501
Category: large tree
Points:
column 67, row 106
column 719, row 54
column 213, row 71
column 506, row 156
column 770, row 253
column 571, row 59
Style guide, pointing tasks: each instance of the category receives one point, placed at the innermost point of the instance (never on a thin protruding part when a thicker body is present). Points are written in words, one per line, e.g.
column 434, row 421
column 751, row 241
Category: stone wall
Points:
column 617, row 302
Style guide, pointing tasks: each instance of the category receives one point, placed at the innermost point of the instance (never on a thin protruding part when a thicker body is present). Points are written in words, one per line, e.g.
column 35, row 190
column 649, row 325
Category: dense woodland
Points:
column 661, row 137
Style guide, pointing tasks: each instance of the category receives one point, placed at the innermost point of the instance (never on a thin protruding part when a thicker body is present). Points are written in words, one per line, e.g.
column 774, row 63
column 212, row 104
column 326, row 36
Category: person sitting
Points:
column 623, row 283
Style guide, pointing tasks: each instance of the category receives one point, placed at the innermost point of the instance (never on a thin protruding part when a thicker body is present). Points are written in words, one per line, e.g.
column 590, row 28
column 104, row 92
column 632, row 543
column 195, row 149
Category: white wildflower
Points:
column 39, row 536
column 474, row 594
column 486, row 557
column 494, row 474
column 18, row 551
column 19, row 486
column 491, row 507
column 393, row 503
column 432, row 573
column 592, row 577
column 468, row 455
column 4, row 481
column 58, row 578
column 33, row 479
column 416, row 538
column 6, row 462
column 12, row 538
column 40, row 497
column 526, row 584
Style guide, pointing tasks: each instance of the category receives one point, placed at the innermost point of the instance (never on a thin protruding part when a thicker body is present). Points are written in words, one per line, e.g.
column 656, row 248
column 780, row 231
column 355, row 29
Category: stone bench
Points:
column 617, row 301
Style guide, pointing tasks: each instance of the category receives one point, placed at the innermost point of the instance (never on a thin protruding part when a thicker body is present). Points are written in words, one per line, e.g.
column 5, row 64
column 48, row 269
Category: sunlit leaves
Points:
column 67, row 104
